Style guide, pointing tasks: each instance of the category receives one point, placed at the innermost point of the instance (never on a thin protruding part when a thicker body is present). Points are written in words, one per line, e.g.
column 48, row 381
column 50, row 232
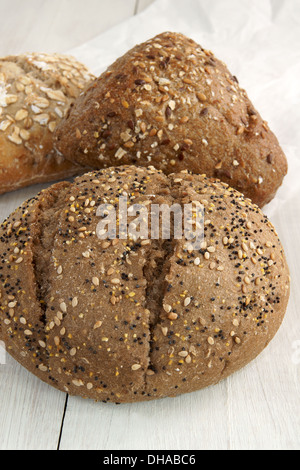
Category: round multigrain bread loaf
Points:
column 126, row 320
column 36, row 91
column 172, row 104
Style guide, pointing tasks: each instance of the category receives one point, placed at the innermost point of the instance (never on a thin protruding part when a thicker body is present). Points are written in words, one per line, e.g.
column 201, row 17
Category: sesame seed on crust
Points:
column 175, row 106
column 169, row 325
column 36, row 91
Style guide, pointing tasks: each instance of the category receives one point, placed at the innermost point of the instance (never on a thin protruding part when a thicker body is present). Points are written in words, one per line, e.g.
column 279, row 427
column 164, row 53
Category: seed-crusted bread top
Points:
column 172, row 104
column 36, row 91
column 138, row 319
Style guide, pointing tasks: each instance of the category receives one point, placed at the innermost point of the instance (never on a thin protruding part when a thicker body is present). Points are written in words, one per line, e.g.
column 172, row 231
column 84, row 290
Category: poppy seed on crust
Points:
column 132, row 320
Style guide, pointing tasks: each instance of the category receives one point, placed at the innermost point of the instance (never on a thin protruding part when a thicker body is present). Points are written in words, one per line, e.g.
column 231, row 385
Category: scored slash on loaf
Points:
column 170, row 103
column 123, row 320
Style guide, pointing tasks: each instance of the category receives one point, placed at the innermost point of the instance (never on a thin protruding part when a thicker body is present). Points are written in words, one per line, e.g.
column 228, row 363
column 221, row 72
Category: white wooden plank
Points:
column 57, row 25
column 30, row 410
column 256, row 408
column 191, row 422
column 264, row 410
column 263, row 405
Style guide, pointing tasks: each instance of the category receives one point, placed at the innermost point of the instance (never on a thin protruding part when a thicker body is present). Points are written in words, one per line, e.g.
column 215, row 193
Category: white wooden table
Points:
column 257, row 408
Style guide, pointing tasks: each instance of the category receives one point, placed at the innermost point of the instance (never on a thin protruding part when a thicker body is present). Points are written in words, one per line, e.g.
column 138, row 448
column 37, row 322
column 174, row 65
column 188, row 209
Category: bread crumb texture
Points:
column 132, row 320
column 172, row 104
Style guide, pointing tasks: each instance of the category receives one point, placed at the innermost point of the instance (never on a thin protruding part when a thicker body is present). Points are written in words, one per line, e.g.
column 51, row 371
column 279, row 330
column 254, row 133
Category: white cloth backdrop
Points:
column 260, row 42
column 258, row 39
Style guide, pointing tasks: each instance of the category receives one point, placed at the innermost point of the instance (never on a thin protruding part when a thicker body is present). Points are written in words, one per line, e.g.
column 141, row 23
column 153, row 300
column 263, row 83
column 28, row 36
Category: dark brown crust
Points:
column 26, row 257
column 133, row 320
column 35, row 93
column 172, row 104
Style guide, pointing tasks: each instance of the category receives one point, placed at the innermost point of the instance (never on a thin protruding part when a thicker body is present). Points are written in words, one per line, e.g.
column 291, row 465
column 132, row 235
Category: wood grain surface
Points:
column 257, row 408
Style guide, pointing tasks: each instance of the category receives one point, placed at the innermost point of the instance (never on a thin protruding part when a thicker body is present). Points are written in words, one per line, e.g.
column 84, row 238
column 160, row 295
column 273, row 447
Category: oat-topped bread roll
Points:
column 172, row 104
column 36, row 91
column 126, row 320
